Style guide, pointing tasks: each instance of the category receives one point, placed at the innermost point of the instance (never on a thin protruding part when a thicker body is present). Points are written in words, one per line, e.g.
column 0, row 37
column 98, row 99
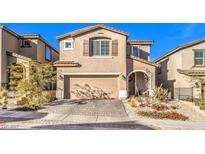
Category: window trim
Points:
column 23, row 43
column 50, row 53
column 101, row 56
column 67, row 41
column 197, row 50
column 138, row 51
column 159, row 68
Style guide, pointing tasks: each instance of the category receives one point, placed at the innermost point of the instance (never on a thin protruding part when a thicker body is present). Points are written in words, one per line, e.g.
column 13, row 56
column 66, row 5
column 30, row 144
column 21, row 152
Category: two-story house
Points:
column 19, row 49
column 180, row 69
column 102, row 57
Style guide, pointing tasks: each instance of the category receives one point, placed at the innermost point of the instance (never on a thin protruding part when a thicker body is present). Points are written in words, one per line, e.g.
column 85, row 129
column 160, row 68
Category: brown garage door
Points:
column 88, row 86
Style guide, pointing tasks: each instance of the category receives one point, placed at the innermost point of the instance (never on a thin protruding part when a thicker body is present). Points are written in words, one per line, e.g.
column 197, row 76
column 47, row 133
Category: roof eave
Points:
column 142, row 61
column 90, row 29
column 180, row 48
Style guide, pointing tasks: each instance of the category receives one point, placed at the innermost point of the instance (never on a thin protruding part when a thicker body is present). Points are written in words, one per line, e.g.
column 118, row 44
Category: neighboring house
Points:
column 178, row 68
column 19, row 49
column 102, row 58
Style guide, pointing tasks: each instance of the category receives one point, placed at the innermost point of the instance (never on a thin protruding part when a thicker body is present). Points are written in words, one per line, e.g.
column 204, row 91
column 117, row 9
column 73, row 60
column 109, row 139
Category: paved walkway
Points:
column 172, row 124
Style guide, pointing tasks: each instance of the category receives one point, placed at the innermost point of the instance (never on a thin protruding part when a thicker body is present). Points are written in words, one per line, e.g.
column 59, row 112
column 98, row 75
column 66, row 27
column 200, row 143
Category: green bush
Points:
column 160, row 93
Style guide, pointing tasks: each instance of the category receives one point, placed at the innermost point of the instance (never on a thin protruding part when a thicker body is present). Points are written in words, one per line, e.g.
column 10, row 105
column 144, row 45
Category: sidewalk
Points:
column 172, row 124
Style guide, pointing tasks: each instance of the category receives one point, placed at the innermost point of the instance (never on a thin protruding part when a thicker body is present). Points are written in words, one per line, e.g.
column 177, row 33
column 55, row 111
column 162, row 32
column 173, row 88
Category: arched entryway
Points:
column 139, row 83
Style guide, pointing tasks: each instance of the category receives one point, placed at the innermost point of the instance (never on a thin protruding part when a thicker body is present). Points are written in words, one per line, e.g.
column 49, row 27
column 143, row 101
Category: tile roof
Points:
column 13, row 54
column 192, row 72
column 86, row 29
column 142, row 60
column 180, row 47
column 66, row 64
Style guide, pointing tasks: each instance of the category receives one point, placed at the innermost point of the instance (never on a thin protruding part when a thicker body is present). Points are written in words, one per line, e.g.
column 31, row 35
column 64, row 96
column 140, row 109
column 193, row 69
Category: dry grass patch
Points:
column 160, row 107
column 163, row 115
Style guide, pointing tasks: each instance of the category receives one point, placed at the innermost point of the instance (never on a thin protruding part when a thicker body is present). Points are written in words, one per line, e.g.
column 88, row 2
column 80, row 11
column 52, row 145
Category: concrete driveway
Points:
column 86, row 111
column 71, row 114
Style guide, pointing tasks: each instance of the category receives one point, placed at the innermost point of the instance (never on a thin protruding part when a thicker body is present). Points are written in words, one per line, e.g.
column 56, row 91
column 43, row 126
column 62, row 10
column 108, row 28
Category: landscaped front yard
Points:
column 173, row 110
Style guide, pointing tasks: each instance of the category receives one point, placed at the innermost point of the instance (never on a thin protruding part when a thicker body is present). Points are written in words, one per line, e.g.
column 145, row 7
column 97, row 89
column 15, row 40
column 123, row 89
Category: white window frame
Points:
column 138, row 51
column 68, row 41
column 101, row 56
column 199, row 50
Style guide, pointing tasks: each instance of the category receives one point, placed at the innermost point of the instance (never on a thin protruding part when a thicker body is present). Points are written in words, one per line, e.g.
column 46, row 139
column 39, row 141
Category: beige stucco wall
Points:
column 9, row 43
column 0, row 55
column 55, row 55
column 41, row 51
column 183, row 59
column 29, row 51
column 136, row 66
column 112, row 64
column 12, row 43
column 144, row 50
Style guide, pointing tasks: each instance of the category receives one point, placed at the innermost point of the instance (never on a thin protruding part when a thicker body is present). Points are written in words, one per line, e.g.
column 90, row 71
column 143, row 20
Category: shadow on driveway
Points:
column 130, row 125
column 17, row 116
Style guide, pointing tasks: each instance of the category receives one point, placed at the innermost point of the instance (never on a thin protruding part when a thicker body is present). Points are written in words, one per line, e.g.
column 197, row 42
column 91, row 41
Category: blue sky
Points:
column 166, row 36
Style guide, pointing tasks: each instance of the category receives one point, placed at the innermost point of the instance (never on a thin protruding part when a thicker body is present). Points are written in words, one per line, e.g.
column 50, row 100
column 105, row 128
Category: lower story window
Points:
column 100, row 47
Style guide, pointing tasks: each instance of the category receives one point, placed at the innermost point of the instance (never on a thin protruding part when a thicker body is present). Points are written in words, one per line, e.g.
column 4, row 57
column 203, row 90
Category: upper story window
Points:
column 198, row 57
column 135, row 50
column 48, row 53
column 26, row 43
column 159, row 68
column 100, row 47
column 68, row 45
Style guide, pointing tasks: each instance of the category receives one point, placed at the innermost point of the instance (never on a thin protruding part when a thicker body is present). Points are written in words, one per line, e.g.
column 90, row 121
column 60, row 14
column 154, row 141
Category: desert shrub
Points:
column 175, row 106
column 48, row 97
column 31, row 90
column 160, row 93
column 4, row 99
column 163, row 115
column 133, row 102
column 16, row 75
column 4, row 93
column 201, row 104
column 160, row 107
column 31, row 94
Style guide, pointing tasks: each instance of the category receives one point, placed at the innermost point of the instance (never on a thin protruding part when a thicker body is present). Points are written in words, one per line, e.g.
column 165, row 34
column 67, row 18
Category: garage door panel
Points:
column 89, row 86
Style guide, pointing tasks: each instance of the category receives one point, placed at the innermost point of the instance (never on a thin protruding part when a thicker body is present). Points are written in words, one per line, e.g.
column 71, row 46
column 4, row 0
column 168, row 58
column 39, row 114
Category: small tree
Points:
column 41, row 74
column 199, row 82
column 16, row 75
column 160, row 93
column 31, row 88
column 4, row 98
